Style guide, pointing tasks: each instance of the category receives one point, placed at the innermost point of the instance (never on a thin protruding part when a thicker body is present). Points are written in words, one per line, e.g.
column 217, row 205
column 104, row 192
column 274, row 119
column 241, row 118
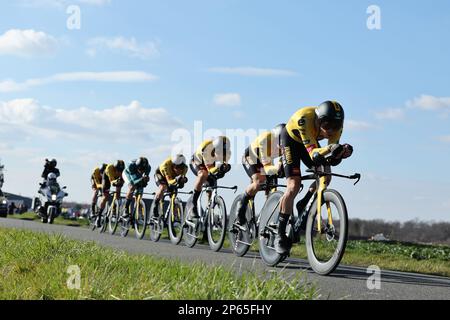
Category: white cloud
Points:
column 118, row 76
column 253, row 72
column 430, row 103
column 445, row 139
column 357, row 125
column 391, row 114
column 227, row 99
column 129, row 46
column 119, row 123
column 27, row 43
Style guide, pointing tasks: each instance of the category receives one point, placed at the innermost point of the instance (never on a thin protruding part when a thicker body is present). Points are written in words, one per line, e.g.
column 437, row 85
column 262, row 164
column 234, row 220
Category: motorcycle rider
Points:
column 49, row 167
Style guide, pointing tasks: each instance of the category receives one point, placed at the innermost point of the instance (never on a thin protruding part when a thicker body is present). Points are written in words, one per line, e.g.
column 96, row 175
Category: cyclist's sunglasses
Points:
column 331, row 126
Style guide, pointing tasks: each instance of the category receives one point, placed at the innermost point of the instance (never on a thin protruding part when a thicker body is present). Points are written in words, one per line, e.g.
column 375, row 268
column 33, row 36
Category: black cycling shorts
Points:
column 293, row 153
column 160, row 179
column 251, row 166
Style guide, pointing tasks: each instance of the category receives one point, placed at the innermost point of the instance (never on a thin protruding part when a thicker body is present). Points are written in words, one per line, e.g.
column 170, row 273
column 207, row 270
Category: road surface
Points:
column 346, row 283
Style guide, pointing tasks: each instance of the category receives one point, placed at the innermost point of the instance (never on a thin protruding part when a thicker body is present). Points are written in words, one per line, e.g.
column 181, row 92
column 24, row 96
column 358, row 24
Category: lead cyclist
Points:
column 300, row 143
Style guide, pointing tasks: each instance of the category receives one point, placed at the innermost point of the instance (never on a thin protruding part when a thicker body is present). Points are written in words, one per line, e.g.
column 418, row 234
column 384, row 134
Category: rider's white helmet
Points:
column 51, row 177
column 222, row 145
column 179, row 160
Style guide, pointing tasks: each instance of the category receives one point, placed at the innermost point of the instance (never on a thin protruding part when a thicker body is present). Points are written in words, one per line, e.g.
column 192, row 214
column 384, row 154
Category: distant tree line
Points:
column 411, row 231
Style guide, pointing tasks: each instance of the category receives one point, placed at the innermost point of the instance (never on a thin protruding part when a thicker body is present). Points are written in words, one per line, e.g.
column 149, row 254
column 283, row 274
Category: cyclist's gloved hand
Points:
column 219, row 175
column 181, row 181
column 318, row 159
column 334, row 162
column 348, row 151
column 225, row 168
column 336, row 151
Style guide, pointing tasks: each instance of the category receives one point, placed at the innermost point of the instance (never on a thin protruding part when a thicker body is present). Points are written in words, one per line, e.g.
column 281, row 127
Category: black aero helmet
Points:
column 331, row 115
column 103, row 168
column 278, row 130
column 142, row 163
column 120, row 165
column 53, row 163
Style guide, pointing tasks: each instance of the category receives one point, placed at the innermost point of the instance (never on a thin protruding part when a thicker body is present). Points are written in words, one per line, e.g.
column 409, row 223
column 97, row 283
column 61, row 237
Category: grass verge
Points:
column 34, row 266
column 395, row 256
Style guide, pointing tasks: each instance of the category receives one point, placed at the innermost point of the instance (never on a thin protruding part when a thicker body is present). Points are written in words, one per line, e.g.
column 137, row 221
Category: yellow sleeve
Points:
column 165, row 169
column 97, row 177
column 207, row 154
column 265, row 148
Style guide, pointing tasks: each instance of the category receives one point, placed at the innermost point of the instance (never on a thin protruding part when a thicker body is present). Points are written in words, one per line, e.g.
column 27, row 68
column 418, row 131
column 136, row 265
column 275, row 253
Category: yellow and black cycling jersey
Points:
column 303, row 128
column 167, row 169
column 264, row 148
column 97, row 178
column 205, row 155
column 113, row 174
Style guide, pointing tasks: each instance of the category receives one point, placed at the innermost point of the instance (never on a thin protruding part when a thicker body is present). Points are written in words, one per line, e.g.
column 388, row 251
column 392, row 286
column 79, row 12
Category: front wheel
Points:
column 156, row 225
column 240, row 240
column 217, row 224
column 176, row 223
column 140, row 220
column 114, row 215
column 191, row 228
column 326, row 248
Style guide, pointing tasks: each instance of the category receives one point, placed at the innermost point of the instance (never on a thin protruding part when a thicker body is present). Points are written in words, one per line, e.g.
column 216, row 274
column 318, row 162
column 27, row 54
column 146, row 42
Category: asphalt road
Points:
column 346, row 283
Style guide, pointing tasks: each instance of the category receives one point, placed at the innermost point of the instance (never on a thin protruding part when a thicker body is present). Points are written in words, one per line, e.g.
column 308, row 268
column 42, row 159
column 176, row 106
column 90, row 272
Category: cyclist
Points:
column 211, row 158
column 172, row 172
column 300, row 142
column 258, row 164
column 137, row 176
column 96, row 183
column 112, row 175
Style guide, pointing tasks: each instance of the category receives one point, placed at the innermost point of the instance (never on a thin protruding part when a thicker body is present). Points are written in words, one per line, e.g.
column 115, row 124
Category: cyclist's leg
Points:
column 254, row 171
column 129, row 195
column 94, row 198
column 202, row 176
column 106, row 187
column 162, row 184
column 291, row 163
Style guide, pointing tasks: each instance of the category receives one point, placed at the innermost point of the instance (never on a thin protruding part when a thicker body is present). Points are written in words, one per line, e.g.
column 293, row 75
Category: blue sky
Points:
column 231, row 64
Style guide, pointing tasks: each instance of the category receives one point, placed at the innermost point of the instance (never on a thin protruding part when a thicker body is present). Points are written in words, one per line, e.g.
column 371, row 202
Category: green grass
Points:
column 396, row 256
column 34, row 266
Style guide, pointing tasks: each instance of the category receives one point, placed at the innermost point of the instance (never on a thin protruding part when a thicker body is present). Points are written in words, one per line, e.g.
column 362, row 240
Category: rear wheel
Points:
column 217, row 224
column 326, row 248
column 269, row 228
column 176, row 223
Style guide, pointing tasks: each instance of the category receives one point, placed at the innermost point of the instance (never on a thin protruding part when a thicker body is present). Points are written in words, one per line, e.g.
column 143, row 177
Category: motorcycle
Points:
column 48, row 205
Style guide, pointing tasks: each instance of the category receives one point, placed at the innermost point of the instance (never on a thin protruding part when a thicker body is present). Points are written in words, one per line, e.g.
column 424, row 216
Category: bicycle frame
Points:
column 321, row 187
